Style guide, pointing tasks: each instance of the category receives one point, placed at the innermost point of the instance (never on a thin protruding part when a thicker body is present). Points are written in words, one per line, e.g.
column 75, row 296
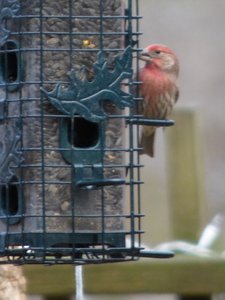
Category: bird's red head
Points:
column 160, row 57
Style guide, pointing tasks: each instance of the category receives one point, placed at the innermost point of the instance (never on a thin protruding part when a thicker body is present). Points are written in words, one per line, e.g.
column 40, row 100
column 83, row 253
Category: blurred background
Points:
column 194, row 29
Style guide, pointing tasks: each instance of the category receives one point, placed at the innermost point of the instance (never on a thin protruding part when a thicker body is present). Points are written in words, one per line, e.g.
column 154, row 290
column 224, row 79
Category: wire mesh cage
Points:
column 66, row 164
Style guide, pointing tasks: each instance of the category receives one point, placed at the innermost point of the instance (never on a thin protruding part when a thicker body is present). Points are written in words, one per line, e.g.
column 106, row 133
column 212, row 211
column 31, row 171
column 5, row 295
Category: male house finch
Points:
column 158, row 89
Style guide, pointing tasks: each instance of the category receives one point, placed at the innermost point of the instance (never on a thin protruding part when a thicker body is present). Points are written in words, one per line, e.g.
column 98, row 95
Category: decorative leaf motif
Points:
column 8, row 9
column 84, row 97
column 10, row 156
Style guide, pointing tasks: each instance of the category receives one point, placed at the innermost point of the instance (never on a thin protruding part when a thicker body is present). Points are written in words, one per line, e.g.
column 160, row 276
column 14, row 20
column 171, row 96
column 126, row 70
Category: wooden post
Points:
column 185, row 174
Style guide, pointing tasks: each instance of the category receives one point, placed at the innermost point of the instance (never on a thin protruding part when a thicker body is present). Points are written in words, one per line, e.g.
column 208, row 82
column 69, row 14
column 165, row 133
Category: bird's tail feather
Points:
column 147, row 142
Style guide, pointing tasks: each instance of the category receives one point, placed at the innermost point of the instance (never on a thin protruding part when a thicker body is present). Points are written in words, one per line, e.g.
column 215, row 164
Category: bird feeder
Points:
column 69, row 183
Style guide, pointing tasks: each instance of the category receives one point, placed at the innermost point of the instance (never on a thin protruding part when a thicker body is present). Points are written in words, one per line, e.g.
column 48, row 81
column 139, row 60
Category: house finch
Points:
column 158, row 89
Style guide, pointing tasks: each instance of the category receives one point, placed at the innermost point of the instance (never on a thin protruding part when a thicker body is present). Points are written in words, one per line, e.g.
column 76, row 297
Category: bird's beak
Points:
column 144, row 55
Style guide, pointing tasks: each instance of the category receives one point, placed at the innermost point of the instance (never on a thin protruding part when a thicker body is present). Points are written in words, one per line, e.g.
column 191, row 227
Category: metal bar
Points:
column 150, row 122
column 42, row 133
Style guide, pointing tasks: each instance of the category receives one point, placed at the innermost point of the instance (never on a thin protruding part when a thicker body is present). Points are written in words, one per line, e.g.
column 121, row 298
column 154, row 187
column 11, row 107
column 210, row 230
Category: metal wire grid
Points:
column 62, row 195
column 46, row 216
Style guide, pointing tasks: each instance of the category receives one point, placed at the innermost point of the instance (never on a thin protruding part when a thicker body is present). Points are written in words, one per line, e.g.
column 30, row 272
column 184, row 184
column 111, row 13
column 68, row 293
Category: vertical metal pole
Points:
column 138, row 133
column 131, row 146
column 42, row 132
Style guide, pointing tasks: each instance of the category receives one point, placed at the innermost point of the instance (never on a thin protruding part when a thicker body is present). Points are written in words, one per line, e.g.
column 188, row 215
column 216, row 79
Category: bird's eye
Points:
column 157, row 52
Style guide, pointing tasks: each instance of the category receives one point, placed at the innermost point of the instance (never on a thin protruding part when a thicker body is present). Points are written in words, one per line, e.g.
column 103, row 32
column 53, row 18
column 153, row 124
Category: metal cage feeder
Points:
column 66, row 98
